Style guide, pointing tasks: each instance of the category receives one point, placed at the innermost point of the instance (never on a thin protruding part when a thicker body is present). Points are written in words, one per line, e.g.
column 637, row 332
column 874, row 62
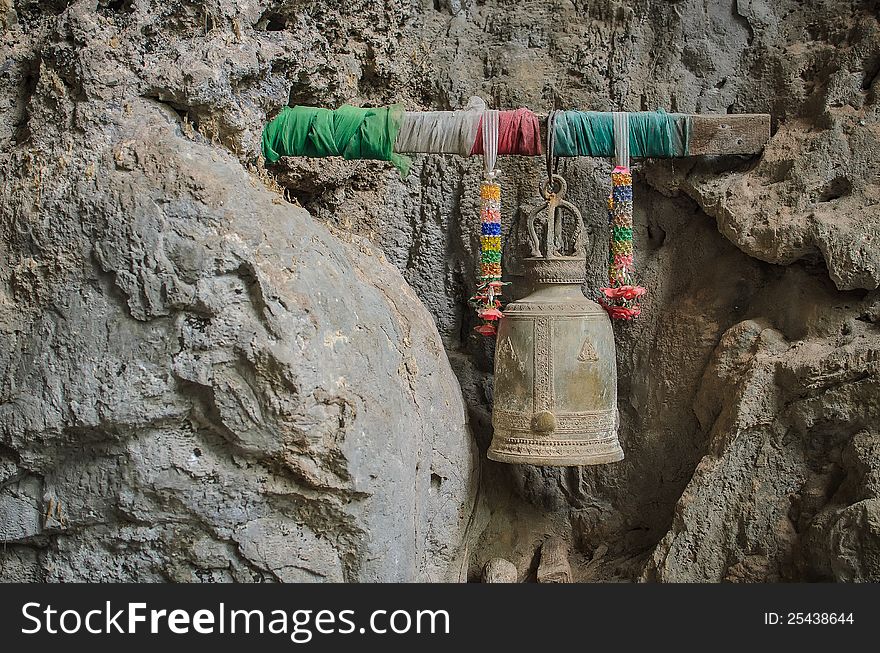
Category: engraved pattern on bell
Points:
column 555, row 398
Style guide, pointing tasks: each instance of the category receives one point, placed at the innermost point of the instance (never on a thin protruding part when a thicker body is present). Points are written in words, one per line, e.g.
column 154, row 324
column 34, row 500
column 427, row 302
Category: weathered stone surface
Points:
column 554, row 566
column 786, row 463
column 200, row 381
column 145, row 320
column 815, row 192
column 499, row 570
column 20, row 516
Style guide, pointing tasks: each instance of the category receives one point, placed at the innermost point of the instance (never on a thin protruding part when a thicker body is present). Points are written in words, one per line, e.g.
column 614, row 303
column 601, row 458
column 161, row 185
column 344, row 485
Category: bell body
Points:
column 555, row 397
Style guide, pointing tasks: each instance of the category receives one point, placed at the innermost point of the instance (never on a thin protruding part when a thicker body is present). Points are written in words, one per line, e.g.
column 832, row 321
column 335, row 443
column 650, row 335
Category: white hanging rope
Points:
column 490, row 142
column 443, row 132
column 620, row 121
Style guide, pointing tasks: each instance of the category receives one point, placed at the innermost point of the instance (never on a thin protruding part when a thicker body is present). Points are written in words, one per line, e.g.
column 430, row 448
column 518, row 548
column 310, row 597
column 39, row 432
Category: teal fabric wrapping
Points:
column 651, row 134
column 584, row 133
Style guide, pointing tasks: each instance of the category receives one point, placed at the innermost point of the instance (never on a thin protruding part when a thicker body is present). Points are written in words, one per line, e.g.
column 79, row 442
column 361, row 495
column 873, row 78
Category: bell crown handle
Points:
column 555, row 206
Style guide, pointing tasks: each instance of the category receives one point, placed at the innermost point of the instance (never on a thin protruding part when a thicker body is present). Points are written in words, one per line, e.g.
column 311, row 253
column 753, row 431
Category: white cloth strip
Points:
column 490, row 140
column 620, row 120
column 442, row 132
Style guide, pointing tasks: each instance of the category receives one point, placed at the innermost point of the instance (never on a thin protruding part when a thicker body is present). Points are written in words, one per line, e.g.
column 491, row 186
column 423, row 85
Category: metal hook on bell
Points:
column 555, row 204
column 553, row 193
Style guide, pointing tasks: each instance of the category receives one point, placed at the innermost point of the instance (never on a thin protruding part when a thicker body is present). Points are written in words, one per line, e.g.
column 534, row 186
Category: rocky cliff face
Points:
column 204, row 381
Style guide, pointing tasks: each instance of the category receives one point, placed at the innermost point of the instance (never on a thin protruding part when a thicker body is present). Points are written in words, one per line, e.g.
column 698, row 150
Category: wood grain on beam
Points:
column 744, row 133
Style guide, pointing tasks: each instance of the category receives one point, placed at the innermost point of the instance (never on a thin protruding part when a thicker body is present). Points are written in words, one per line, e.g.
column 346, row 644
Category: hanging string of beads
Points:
column 487, row 300
column 621, row 296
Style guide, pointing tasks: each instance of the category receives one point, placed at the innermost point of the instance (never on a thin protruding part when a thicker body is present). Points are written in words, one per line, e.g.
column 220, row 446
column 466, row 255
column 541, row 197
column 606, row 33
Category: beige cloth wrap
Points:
column 445, row 132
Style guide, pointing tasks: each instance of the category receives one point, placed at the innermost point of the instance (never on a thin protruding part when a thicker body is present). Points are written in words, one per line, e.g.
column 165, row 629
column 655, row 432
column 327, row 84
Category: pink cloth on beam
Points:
column 518, row 133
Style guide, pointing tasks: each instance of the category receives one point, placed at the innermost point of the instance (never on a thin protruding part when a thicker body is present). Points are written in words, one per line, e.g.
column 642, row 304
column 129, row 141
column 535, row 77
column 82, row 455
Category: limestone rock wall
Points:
column 159, row 300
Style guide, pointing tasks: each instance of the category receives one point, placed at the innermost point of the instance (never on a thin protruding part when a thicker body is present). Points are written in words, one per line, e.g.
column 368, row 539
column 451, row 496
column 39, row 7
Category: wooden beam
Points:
column 744, row 133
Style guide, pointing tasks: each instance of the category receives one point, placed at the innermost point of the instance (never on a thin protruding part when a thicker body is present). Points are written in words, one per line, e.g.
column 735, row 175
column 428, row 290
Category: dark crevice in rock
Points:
column 31, row 13
column 27, row 88
column 248, row 274
column 197, row 122
column 835, row 189
column 272, row 22
column 184, row 113
column 302, row 92
column 297, row 199
column 206, row 414
column 872, row 71
column 113, row 7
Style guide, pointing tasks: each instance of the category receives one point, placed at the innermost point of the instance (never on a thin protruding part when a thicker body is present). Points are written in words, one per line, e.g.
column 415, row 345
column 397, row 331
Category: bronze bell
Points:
column 555, row 399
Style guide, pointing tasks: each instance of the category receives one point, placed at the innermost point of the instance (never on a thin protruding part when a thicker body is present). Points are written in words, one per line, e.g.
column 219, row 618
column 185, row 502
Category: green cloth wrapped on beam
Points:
column 651, row 133
column 349, row 132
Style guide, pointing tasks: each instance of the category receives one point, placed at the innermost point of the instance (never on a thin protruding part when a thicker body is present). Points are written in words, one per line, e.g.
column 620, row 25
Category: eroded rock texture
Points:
column 202, row 381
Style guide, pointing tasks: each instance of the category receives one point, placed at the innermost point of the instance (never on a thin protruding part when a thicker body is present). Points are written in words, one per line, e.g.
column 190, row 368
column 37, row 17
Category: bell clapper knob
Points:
column 544, row 422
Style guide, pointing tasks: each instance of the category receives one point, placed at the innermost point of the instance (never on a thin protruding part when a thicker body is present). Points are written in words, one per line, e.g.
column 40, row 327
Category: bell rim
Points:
column 581, row 451
column 614, row 456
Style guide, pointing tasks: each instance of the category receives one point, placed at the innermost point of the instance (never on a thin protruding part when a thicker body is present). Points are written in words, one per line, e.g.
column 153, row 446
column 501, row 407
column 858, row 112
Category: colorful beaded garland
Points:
column 620, row 298
column 485, row 300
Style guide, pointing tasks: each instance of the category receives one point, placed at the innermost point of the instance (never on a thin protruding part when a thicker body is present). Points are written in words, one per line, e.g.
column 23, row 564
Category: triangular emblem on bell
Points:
column 555, row 396
column 588, row 353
